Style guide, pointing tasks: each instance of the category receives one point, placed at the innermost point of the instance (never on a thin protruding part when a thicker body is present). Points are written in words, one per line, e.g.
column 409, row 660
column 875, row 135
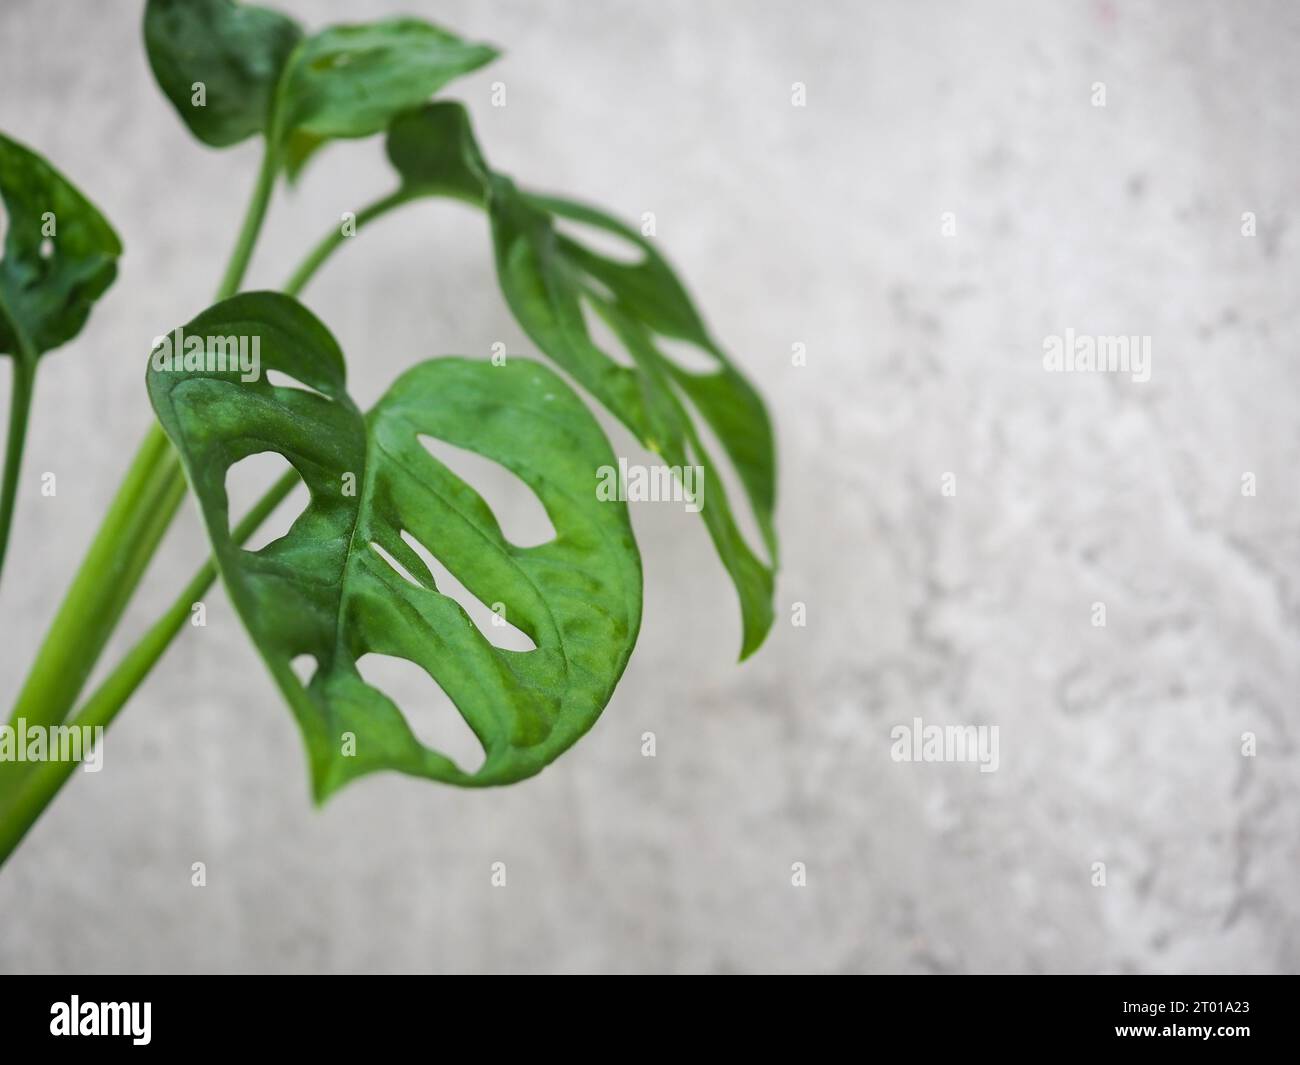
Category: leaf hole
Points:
column 523, row 520
column 396, row 566
column 687, row 355
column 598, row 289
column 280, row 379
column 428, row 709
column 603, row 242
column 247, row 481
column 494, row 625
column 304, row 668
column 602, row 334
column 721, row 469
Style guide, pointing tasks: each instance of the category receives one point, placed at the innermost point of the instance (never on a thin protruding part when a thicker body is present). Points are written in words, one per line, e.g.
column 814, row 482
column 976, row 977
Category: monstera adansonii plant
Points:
column 351, row 575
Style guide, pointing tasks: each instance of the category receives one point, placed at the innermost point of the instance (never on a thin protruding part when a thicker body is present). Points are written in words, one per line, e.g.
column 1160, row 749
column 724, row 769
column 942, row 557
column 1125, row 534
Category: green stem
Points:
column 35, row 791
column 41, row 785
column 20, row 405
column 95, row 600
column 141, row 512
column 253, row 218
column 335, row 237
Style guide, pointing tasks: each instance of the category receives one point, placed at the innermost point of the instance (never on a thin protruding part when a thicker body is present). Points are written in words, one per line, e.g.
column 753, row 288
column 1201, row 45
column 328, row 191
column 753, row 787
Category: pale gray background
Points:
column 816, row 225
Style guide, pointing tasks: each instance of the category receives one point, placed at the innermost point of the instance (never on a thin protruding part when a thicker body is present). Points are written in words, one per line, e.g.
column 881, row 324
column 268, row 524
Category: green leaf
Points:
column 261, row 74
column 236, row 51
column 48, row 283
column 434, row 151
column 59, row 257
column 352, row 81
column 325, row 590
column 650, row 295
column 547, row 276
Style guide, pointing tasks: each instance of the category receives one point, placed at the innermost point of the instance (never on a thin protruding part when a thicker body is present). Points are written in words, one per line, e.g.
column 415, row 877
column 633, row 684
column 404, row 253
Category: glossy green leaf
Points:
column 434, row 151
column 352, row 81
column 326, row 589
column 261, row 74
column 59, row 258
column 547, row 277
column 59, row 255
column 236, row 52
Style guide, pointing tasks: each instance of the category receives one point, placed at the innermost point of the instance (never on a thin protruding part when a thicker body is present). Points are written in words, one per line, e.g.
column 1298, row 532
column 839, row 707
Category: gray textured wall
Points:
column 818, row 225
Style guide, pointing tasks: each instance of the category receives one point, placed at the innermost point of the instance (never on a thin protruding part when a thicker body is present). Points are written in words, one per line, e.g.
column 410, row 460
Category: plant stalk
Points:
column 40, row 786
column 33, row 793
column 253, row 219
column 141, row 512
column 20, row 405
column 136, row 518
column 330, row 242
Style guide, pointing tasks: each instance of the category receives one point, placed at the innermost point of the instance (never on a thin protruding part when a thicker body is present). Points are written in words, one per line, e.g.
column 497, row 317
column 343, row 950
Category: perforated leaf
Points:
column 59, row 257
column 345, row 581
column 547, row 277
column 48, row 283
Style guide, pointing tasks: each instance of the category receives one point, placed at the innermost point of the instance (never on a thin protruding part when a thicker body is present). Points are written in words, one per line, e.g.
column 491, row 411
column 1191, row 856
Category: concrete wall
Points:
column 821, row 226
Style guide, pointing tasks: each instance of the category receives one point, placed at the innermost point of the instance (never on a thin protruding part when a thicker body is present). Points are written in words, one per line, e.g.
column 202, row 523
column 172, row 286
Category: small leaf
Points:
column 352, row 81
column 235, row 52
column 48, row 283
column 435, row 153
column 298, row 150
column 59, row 257
column 259, row 73
column 329, row 588
column 547, row 277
